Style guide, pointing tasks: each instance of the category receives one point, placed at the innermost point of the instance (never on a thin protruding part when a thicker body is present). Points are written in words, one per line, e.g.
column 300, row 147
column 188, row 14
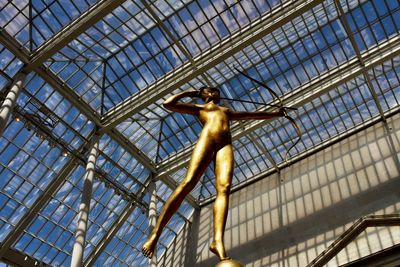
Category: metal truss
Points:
column 302, row 95
column 11, row 44
column 82, row 106
column 14, row 46
column 243, row 38
column 23, row 54
column 17, row 258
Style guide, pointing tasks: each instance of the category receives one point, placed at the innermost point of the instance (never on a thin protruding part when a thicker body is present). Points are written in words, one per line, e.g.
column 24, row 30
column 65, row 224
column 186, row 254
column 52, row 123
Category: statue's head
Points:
column 210, row 94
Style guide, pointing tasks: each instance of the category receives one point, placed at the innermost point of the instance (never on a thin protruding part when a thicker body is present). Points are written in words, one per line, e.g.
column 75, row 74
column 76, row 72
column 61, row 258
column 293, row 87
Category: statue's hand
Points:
column 194, row 93
column 283, row 111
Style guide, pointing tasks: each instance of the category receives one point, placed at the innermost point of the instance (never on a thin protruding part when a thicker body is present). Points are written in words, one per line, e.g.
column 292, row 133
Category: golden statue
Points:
column 215, row 143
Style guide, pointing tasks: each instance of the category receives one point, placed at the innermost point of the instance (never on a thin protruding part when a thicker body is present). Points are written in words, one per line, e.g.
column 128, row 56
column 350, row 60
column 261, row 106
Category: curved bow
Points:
column 281, row 106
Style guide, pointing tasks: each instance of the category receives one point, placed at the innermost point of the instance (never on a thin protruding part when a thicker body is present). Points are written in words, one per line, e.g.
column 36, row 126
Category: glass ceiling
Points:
column 342, row 72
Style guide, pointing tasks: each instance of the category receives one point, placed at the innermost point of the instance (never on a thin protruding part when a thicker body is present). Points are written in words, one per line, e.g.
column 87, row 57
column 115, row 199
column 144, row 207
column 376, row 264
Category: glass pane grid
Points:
column 123, row 55
column 334, row 113
column 144, row 133
column 55, row 115
column 27, row 165
column 201, row 24
column 385, row 81
column 287, row 58
column 125, row 247
column 84, row 77
column 305, row 48
column 14, row 18
column 50, row 236
column 138, row 65
column 114, row 31
column 9, row 65
column 120, row 167
column 373, row 22
column 50, row 17
column 138, row 52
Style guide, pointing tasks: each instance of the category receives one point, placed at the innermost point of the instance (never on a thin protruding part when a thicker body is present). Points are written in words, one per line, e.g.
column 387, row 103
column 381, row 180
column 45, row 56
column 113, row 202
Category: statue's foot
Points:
column 148, row 247
column 218, row 249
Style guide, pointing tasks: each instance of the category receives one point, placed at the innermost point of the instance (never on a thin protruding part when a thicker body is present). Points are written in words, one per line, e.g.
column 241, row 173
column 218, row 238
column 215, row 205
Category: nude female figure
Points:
column 215, row 142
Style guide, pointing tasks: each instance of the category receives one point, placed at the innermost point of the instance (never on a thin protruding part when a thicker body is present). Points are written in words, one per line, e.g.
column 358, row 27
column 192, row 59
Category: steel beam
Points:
column 72, row 31
column 350, row 234
column 16, row 258
column 241, row 39
column 13, row 45
column 302, row 95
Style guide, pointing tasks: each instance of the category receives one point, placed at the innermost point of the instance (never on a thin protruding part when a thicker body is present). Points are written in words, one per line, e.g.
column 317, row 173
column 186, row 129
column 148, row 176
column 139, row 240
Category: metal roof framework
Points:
column 106, row 66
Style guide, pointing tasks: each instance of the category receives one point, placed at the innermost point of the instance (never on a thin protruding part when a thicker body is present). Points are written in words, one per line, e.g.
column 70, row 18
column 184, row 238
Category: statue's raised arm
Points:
column 173, row 104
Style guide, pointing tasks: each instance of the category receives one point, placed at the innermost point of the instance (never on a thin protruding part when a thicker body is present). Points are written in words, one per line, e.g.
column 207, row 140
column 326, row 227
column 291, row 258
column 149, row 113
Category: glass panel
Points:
column 50, row 236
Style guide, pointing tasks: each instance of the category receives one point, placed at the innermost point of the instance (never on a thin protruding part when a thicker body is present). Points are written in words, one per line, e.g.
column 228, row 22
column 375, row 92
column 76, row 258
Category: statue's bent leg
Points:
column 201, row 158
column 224, row 170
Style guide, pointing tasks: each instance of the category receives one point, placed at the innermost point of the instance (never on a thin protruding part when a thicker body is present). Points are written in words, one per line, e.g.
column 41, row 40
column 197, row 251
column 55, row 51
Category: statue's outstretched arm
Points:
column 257, row 115
column 172, row 103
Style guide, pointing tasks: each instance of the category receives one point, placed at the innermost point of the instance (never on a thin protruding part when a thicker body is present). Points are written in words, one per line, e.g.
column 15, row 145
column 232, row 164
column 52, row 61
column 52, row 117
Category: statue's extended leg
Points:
column 224, row 171
column 201, row 157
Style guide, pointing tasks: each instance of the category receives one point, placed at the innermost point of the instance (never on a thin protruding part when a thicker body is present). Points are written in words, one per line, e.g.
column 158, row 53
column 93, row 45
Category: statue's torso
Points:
column 216, row 123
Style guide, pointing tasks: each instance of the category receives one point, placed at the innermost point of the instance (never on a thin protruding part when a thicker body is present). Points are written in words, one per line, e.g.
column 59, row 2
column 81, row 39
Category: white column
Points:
column 11, row 98
column 84, row 208
column 152, row 217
